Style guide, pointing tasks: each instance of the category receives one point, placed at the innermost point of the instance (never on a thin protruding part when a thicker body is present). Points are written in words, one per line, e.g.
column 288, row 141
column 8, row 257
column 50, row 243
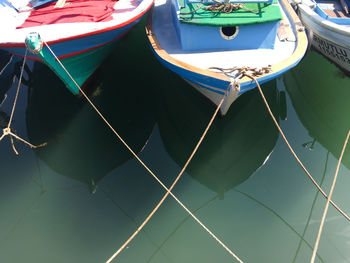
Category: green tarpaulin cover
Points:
column 265, row 13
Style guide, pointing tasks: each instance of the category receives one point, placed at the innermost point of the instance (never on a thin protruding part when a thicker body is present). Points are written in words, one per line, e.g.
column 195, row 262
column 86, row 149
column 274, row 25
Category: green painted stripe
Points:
column 81, row 66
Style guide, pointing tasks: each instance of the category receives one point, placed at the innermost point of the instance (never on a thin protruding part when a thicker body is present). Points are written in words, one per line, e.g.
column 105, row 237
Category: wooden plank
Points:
column 335, row 13
column 285, row 32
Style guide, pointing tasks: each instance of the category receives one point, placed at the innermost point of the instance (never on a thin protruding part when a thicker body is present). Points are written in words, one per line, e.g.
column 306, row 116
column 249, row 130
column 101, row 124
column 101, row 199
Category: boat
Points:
column 80, row 33
column 214, row 51
column 324, row 114
column 328, row 26
column 234, row 148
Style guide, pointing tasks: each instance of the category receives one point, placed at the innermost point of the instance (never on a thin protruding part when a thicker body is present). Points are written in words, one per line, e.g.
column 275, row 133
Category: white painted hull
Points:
column 330, row 39
column 216, row 97
column 338, row 54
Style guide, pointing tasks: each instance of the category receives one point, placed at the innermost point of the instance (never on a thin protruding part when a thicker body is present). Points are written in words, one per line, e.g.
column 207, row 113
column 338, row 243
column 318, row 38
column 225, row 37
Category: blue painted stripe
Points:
column 207, row 82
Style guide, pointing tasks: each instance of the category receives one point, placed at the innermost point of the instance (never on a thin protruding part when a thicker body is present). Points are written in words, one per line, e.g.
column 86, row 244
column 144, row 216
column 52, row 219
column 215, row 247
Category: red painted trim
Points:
column 30, row 58
column 12, row 45
column 86, row 34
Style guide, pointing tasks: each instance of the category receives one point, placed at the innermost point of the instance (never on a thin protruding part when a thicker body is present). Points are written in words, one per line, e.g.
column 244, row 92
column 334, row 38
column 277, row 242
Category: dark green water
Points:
column 80, row 198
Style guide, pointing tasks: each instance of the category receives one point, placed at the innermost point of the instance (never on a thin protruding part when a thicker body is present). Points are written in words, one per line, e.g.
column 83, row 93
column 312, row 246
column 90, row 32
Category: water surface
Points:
column 80, row 198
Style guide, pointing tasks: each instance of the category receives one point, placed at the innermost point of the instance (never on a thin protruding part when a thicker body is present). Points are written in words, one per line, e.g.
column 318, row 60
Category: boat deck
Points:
column 336, row 13
column 333, row 9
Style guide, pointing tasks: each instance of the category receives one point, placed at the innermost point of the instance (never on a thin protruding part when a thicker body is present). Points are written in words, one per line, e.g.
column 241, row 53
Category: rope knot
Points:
column 6, row 131
column 235, row 84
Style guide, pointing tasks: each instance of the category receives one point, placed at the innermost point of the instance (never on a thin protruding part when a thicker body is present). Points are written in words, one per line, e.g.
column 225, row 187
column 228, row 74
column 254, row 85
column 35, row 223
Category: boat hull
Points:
column 80, row 56
column 329, row 39
column 214, row 90
column 339, row 55
column 81, row 66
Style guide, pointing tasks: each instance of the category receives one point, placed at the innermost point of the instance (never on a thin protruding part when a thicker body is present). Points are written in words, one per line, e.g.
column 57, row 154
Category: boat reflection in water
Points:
column 236, row 144
column 80, row 145
column 320, row 96
column 9, row 67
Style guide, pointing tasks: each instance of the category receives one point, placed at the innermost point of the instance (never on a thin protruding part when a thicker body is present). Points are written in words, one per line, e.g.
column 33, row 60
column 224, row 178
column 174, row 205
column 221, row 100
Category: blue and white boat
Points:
column 212, row 44
column 328, row 25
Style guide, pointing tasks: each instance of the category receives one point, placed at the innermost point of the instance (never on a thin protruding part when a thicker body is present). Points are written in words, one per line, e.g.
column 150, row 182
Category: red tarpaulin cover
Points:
column 73, row 11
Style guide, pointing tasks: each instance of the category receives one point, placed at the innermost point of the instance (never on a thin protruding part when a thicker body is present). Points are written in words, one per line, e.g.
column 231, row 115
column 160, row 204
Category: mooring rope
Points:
column 239, row 72
column 172, row 186
column 328, row 200
column 222, row 7
column 148, row 169
column 8, row 130
column 227, row 7
column 291, row 149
